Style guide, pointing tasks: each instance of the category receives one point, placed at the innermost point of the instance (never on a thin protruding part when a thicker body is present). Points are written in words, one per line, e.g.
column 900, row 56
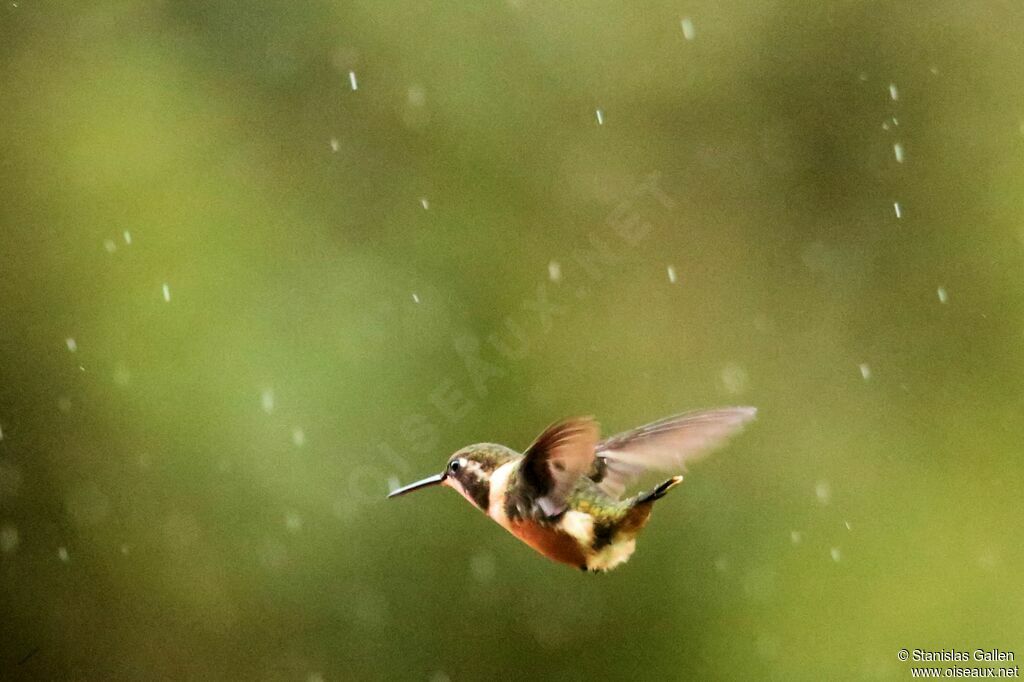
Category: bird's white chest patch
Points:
column 499, row 483
column 611, row 556
column 579, row 525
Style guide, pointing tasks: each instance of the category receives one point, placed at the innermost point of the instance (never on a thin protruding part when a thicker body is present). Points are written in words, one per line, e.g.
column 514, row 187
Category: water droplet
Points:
column 9, row 539
column 483, row 567
column 167, row 292
column 893, row 92
column 865, row 371
column 267, row 400
column 555, row 271
column 298, row 437
column 416, row 96
column 122, row 376
column 62, row 554
column 352, row 80
column 897, row 150
column 600, row 117
column 689, row 32
column 734, row 379
column 71, row 343
column 943, row 294
column 836, row 554
column 672, row 274
column 823, row 491
column 897, row 210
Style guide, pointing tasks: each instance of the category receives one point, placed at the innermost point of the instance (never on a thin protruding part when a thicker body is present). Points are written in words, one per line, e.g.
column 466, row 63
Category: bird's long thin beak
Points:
column 436, row 479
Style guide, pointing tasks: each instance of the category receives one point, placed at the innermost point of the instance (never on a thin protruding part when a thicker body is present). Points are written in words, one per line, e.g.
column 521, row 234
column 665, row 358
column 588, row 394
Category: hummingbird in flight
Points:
column 563, row 496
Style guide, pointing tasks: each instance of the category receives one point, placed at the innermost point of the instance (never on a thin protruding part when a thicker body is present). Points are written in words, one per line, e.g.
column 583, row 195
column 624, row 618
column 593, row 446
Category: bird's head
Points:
column 468, row 471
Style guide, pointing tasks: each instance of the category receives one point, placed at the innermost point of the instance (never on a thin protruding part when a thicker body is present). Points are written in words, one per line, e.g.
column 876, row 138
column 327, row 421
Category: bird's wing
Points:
column 666, row 445
column 556, row 460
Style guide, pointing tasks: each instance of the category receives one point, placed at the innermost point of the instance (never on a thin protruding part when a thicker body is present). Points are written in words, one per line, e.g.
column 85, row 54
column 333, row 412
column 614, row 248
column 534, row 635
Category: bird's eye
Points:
column 454, row 466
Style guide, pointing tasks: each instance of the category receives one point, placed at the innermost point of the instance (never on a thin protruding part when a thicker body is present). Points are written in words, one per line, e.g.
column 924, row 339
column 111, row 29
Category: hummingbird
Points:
column 563, row 496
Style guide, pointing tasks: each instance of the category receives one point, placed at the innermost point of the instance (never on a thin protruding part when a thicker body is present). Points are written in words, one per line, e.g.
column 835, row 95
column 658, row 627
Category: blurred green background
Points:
column 263, row 260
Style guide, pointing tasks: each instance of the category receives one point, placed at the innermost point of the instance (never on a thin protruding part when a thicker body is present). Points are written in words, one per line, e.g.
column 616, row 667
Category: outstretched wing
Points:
column 552, row 465
column 666, row 445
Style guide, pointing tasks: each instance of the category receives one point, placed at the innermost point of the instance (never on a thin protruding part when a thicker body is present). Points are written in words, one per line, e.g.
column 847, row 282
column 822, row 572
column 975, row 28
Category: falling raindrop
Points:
column 298, row 437
column 293, row 522
column 848, row 526
column 62, row 554
column 9, row 539
column 109, row 245
column 689, row 32
column 555, row 271
column 897, row 150
column 71, row 343
column 896, row 209
column 335, row 145
column 415, row 298
column 267, row 400
column 122, row 376
column 893, row 92
column 943, row 294
column 600, row 117
column 795, row 537
column 416, row 96
column 734, row 379
column 672, row 274
column 483, row 567
column 823, row 491
column 836, row 555
column 425, row 203
column 352, row 80
column 865, row 371
column 167, row 292
column 127, row 237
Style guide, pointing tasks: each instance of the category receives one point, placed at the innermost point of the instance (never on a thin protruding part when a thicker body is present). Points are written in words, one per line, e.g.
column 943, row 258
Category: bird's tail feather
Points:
column 660, row 491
